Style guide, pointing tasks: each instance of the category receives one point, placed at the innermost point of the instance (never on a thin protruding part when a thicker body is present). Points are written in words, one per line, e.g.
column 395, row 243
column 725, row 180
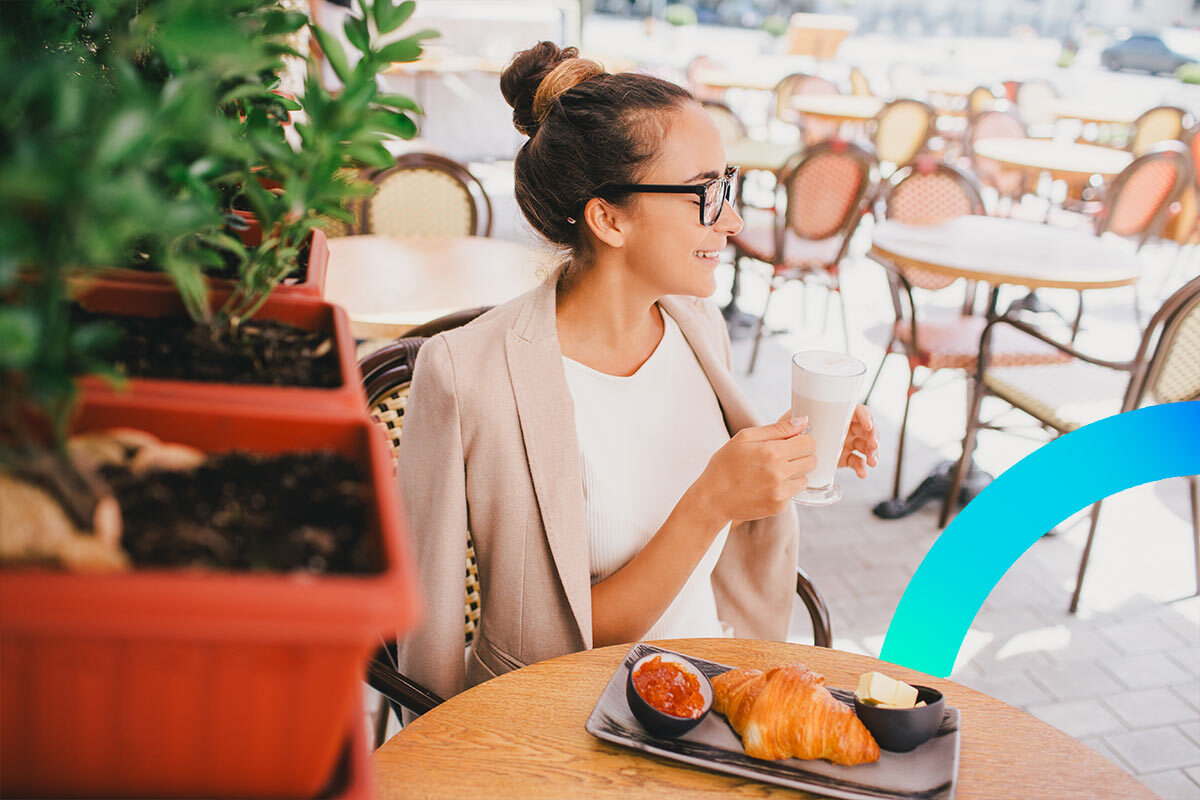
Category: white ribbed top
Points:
column 643, row 440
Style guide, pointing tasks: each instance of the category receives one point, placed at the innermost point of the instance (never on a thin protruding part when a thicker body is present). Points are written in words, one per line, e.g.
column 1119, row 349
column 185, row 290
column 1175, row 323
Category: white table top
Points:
column 754, row 154
column 838, row 106
column 1064, row 159
column 1094, row 111
column 388, row 285
column 1000, row 250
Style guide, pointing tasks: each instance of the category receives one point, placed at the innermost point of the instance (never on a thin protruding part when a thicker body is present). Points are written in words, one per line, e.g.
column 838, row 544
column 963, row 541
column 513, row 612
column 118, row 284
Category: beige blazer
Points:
column 489, row 445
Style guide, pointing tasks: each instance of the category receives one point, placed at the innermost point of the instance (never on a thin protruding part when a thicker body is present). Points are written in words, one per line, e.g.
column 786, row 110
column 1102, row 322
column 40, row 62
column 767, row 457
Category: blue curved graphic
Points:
column 1030, row 498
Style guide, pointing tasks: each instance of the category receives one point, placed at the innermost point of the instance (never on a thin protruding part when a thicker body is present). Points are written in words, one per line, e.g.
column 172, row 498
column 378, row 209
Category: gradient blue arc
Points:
column 1005, row 519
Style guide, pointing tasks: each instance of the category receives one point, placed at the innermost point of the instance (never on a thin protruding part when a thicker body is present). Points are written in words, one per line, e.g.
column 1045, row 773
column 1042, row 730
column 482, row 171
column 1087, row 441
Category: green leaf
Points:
column 122, row 136
column 395, row 124
column 388, row 17
column 357, row 33
column 19, row 333
column 399, row 102
column 333, row 51
column 372, row 155
column 283, row 22
column 403, row 50
column 94, row 339
column 240, row 91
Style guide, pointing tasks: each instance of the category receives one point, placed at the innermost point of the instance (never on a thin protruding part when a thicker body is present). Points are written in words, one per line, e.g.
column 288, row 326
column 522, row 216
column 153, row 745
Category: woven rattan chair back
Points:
column 427, row 195
column 1139, row 200
column 901, row 130
column 1192, row 140
column 729, row 124
column 929, row 192
column 1172, row 374
column 859, row 84
column 1035, row 103
column 795, row 85
column 991, row 125
column 980, row 99
column 1159, row 124
column 700, row 90
column 825, row 191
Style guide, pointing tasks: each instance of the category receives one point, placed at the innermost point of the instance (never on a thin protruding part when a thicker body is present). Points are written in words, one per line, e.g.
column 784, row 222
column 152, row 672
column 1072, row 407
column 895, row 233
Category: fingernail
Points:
column 799, row 422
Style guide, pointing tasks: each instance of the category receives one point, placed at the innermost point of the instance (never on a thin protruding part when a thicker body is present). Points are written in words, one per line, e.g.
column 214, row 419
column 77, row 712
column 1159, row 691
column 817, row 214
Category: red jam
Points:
column 669, row 688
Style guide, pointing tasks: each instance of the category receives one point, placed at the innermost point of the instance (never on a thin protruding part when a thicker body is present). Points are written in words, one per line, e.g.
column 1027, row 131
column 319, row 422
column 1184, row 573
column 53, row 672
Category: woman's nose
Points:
column 730, row 222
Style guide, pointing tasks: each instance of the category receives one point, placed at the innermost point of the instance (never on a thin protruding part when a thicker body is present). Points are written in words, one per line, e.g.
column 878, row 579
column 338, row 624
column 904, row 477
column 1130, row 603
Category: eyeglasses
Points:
column 713, row 194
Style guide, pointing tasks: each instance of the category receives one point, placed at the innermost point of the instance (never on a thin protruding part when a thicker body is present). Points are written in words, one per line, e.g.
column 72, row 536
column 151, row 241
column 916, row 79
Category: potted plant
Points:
column 162, row 680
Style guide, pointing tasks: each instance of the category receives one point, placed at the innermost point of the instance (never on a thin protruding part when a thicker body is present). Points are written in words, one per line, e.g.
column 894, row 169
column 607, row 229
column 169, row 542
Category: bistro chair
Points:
column 702, row 91
column 859, row 84
column 825, row 196
column 385, row 403
column 729, row 124
column 929, row 193
column 981, row 99
column 1035, row 106
column 1081, row 389
column 427, row 195
column 993, row 124
column 811, row 130
column 1158, row 124
column 900, row 131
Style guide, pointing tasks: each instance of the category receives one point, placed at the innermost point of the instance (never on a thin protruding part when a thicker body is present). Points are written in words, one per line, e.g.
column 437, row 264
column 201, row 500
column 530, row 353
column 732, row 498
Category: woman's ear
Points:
column 605, row 222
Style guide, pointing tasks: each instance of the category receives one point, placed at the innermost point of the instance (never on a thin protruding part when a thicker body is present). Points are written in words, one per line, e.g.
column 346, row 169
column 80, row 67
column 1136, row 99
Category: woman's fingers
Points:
column 857, row 463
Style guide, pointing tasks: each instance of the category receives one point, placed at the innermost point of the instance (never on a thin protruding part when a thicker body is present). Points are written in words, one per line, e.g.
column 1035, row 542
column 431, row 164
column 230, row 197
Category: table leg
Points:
column 740, row 324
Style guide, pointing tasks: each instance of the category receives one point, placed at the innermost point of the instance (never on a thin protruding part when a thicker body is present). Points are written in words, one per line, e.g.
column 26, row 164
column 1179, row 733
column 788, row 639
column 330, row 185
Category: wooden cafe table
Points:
column 1067, row 161
column 388, row 285
column 522, row 735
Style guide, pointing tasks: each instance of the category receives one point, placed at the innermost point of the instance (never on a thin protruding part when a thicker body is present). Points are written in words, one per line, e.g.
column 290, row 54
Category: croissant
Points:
column 788, row 713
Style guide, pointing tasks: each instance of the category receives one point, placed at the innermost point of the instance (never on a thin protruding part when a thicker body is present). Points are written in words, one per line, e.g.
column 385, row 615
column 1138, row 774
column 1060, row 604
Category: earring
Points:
column 570, row 220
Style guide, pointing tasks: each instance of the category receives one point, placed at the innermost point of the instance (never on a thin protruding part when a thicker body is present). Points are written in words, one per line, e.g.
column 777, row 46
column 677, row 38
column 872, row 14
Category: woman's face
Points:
column 666, row 245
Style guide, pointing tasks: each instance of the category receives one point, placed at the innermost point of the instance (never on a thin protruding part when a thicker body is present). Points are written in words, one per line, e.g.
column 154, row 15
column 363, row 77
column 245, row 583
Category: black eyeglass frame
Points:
column 730, row 179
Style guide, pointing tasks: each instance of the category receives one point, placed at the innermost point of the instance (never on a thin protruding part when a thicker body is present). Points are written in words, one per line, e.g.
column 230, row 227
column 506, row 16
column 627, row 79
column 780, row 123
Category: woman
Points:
column 589, row 433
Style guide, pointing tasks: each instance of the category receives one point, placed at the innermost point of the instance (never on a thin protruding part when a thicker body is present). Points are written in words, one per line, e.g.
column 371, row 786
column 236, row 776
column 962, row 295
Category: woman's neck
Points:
column 608, row 322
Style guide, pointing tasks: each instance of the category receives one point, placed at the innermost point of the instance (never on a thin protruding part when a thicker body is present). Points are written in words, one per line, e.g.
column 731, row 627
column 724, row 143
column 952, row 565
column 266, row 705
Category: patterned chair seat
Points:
column 947, row 339
column 1065, row 396
column 799, row 254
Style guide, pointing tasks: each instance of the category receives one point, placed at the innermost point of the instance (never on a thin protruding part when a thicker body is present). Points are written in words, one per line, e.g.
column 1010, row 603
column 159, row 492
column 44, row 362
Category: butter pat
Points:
column 880, row 690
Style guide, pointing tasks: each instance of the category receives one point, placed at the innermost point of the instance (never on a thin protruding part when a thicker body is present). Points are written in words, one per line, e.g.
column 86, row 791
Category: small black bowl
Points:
column 902, row 729
column 656, row 721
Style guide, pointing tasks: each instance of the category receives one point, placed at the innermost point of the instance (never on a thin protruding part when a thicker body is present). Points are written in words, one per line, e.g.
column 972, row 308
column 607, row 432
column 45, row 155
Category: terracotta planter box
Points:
column 313, row 284
column 198, row 683
column 147, row 300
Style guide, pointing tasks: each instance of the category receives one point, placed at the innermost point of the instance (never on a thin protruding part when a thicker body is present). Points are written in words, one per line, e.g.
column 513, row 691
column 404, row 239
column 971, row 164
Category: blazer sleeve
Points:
column 431, row 473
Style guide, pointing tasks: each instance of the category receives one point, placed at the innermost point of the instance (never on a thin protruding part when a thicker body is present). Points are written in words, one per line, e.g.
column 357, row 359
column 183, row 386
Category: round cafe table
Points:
column 388, row 285
column 838, row 107
column 522, row 735
column 1093, row 111
column 761, row 155
column 1068, row 161
column 1002, row 250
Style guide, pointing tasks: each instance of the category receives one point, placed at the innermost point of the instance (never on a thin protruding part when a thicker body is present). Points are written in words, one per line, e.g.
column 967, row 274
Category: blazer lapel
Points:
column 546, row 412
column 705, row 342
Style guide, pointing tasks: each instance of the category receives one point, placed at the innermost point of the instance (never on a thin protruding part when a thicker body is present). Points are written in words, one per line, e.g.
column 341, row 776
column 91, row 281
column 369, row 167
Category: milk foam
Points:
column 827, row 376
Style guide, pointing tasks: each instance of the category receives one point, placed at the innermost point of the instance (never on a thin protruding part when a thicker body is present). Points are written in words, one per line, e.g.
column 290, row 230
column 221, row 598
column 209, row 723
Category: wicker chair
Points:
column 992, row 124
column 1083, row 389
column 1158, row 124
column 928, row 193
column 1035, row 100
column 811, row 130
column 388, row 377
column 729, row 124
column 702, row 91
column 900, row 131
column 427, row 195
column 981, row 99
column 825, row 196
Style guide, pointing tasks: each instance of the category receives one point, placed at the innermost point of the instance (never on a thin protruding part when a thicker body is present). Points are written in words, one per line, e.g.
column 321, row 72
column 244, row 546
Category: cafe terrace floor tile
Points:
column 1016, row 689
column 1146, row 670
column 1101, row 746
column 1143, row 636
column 1156, row 749
column 1147, row 708
column 1077, row 679
column 1192, row 730
column 1078, row 718
column 1171, row 785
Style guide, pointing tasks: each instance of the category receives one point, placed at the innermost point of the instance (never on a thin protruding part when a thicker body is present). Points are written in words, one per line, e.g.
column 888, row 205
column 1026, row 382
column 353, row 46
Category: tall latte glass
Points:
column 825, row 388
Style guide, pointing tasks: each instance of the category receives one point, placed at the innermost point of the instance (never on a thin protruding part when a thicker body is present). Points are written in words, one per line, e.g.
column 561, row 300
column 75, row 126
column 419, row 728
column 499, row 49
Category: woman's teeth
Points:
column 708, row 253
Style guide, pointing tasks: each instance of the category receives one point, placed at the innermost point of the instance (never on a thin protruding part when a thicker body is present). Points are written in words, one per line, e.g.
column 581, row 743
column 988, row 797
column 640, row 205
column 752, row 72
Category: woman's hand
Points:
column 757, row 472
column 861, row 448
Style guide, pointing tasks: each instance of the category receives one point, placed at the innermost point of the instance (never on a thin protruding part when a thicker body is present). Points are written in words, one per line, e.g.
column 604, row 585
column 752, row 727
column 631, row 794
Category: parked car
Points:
column 1143, row 51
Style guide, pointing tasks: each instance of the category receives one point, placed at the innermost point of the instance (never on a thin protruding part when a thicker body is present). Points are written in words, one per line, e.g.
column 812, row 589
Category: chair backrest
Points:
column 1192, row 139
column 795, row 85
column 926, row 193
column 1140, row 197
column 991, row 125
column 1035, row 101
column 901, row 129
column 859, row 84
column 826, row 190
column 981, row 99
column 427, row 195
column 728, row 123
column 1156, row 125
column 703, row 91
column 1171, row 374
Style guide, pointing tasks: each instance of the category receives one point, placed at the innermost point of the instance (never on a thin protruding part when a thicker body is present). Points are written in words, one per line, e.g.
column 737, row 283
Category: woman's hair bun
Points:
column 537, row 77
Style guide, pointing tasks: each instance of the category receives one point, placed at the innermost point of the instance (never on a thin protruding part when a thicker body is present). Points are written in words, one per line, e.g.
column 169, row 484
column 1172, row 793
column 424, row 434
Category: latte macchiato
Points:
column 825, row 388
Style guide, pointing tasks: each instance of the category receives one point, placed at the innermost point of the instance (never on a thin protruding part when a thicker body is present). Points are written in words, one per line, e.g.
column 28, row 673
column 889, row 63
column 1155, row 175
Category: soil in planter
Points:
column 263, row 351
column 242, row 511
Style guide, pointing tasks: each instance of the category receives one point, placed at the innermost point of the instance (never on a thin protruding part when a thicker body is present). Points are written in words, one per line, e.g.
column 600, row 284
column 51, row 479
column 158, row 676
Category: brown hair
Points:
column 586, row 128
